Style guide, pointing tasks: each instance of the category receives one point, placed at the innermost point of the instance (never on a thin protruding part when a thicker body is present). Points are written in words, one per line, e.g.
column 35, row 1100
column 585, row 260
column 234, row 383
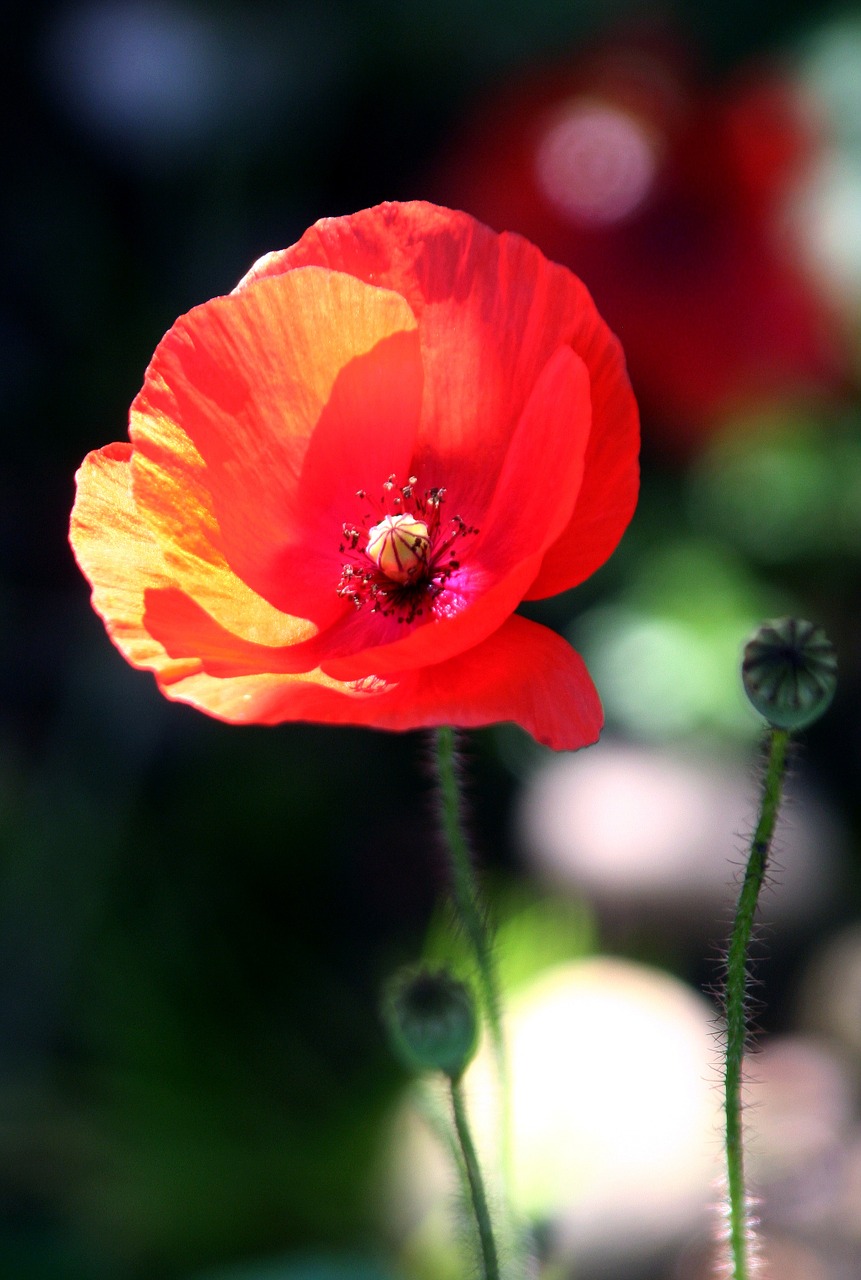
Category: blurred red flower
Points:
column 345, row 476
column 671, row 200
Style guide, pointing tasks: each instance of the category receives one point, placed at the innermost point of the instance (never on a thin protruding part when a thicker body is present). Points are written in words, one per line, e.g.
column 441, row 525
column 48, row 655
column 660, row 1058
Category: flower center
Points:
column 399, row 545
column 402, row 554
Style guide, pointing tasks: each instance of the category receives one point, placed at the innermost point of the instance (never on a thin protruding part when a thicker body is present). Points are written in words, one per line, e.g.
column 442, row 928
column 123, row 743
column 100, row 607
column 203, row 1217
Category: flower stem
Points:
column 469, row 909
column 736, row 987
column 476, row 1185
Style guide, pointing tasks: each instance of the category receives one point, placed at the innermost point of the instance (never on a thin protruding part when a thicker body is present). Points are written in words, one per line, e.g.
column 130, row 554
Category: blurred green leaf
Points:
column 665, row 657
column 532, row 933
column 783, row 487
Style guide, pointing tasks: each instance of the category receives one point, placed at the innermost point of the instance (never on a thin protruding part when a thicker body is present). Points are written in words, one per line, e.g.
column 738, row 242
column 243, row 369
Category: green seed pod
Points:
column 789, row 672
column 431, row 1020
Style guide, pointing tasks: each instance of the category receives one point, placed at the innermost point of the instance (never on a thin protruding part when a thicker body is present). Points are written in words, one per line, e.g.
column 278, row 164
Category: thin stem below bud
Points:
column 489, row 1255
column 736, row 987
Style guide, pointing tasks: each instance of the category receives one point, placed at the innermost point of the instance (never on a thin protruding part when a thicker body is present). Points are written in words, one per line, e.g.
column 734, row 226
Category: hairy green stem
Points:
column 489, row 1256
column 736, row 988
column 467, row 902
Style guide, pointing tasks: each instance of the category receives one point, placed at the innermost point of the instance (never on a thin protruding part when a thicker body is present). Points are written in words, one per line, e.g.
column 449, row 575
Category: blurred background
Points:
column 195, row 919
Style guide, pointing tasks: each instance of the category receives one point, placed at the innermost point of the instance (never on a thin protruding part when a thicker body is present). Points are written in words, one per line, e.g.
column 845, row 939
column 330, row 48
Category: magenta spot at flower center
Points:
column 401, row 555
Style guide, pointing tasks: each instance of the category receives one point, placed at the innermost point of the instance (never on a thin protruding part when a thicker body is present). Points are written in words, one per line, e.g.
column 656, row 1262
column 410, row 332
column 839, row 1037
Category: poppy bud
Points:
column 431, row 1020
column 399, row 546
column 789, row 672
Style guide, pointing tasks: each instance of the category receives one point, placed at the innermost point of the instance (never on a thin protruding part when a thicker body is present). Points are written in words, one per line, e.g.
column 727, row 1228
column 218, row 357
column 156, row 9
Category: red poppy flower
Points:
column 671, row 198
column 345, row 476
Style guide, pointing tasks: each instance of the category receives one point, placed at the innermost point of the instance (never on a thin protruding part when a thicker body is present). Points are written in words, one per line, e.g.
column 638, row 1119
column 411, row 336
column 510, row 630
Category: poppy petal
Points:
column 491, row 311
column 537, row 489
column 543, row 471
column 611, row 476
column 106, row 530
column 260, row 416
column 123, row 562
column 523, row 673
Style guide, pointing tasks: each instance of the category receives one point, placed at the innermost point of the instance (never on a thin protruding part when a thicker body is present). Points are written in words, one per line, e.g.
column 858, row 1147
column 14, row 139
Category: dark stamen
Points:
column 363, row 582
